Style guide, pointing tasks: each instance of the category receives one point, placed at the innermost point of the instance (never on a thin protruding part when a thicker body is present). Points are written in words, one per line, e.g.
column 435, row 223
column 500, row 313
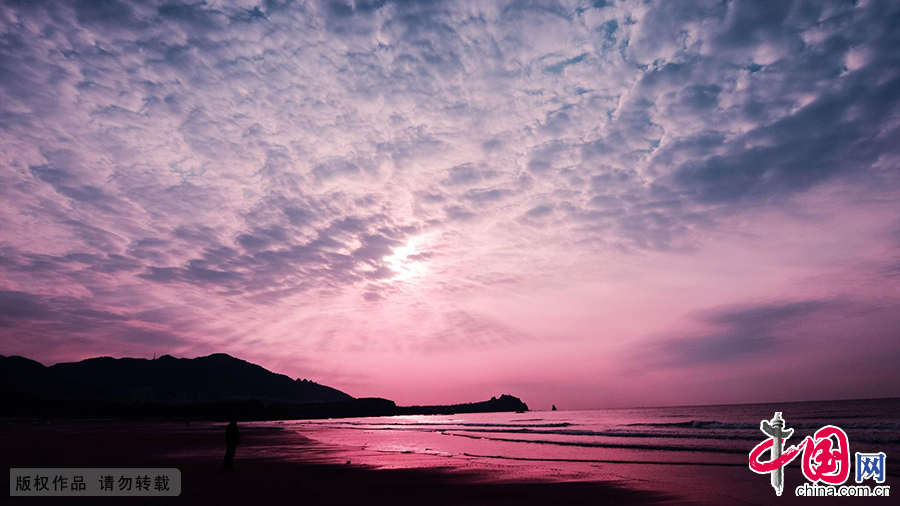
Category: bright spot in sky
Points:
column 406, row 267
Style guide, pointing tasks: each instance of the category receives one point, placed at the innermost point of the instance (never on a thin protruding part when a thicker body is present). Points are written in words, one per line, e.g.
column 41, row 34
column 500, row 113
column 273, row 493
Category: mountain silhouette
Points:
column 215, row 387
column 217, row 377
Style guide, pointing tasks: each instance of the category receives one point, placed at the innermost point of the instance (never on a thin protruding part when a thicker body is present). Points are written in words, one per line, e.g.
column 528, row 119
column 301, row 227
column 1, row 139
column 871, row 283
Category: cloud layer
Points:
column 385, row 193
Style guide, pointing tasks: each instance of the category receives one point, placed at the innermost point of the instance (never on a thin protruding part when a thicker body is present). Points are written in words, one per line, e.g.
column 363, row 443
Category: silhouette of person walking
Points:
column 232, row 436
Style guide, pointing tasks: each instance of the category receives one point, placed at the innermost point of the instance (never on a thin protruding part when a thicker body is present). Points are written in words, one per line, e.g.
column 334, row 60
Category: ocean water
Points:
column 691, row 435
column 691, row 454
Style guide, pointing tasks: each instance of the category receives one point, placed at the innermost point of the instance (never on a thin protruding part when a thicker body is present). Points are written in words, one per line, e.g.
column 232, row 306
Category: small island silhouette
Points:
column 214, row 387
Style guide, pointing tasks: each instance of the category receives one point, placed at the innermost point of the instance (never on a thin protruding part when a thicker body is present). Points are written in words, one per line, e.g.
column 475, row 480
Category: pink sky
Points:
column 587, row 205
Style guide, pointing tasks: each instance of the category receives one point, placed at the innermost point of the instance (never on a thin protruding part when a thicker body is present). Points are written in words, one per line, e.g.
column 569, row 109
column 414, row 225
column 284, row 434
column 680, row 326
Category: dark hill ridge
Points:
column 374, row 406
column 497, row 404
column 217, row 386
column 166, row 379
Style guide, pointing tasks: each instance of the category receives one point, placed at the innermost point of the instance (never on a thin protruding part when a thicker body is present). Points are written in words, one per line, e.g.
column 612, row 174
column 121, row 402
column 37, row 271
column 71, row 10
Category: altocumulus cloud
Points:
column 240, row 161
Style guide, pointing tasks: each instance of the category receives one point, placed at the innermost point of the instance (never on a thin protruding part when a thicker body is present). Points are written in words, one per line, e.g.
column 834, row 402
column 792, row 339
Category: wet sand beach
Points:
column 279, row 463
column 274, row 466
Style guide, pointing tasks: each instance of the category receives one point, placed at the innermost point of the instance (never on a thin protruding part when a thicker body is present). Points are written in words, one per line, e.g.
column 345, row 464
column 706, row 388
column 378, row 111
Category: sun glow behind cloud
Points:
column 407, row 260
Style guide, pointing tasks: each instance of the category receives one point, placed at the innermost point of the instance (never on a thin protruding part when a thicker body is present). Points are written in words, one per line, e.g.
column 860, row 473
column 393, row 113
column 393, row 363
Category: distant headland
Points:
column 214, row 387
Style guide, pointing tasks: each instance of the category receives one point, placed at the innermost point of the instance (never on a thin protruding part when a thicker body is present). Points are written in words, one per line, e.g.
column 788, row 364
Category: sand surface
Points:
column 279, row 465
column 276, row 466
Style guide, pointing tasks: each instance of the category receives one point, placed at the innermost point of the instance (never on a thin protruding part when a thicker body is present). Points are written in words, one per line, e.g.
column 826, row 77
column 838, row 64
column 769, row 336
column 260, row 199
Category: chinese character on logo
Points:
column 870, row 465
column 821, row 462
